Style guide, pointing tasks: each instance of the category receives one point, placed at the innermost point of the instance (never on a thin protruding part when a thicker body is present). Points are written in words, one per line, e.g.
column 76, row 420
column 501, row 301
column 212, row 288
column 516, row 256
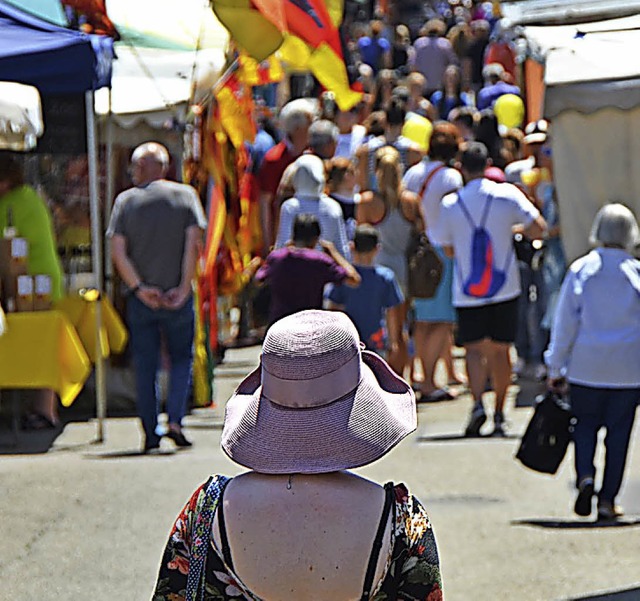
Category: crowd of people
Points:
column 391, row 166
column 428, row 149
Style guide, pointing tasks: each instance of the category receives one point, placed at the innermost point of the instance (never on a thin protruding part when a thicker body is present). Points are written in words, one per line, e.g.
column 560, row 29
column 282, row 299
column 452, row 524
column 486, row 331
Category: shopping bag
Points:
column 547, row 436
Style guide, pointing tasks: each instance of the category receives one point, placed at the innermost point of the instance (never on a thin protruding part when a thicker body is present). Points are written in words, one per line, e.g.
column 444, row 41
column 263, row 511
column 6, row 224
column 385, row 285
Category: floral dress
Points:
column 412, row 569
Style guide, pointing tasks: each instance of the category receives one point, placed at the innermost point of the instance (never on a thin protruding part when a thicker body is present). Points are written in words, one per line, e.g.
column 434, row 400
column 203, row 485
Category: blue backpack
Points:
column 485, row 280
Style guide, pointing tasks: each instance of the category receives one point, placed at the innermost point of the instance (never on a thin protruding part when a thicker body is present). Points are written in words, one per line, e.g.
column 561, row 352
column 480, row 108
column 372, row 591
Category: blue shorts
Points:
column 438, row 309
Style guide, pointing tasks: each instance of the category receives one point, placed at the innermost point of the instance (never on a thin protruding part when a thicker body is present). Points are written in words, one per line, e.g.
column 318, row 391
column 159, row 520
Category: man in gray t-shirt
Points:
column 155, row 230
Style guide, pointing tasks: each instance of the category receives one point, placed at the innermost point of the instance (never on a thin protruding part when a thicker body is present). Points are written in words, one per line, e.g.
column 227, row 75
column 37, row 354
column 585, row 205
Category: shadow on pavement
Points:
column 630, row 594
column 27, row 442
column 574, row 524
column 460, row 437
column 128, row 453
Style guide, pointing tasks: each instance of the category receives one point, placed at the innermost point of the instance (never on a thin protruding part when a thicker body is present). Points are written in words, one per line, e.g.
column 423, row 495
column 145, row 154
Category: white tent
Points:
column 169, row 54
column 592, row 79
column 20, row 116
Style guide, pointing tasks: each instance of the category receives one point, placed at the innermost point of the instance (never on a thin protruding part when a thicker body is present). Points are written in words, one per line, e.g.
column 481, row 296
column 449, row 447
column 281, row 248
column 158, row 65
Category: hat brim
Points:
column 350, row 432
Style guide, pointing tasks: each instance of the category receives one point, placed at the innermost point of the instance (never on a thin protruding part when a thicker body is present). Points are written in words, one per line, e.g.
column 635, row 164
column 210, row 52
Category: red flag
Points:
column 310, row 21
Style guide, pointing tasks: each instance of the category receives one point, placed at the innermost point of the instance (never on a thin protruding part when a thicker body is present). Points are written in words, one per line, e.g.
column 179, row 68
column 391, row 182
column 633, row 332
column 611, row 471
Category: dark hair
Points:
column 396, row 112
column 11, row 170
column 445, row 142
column 375, row 123
column 336, row 168
column 365, row 238
column 474, row 157
column 306, row 228
column 487, row 132
column 465, row 114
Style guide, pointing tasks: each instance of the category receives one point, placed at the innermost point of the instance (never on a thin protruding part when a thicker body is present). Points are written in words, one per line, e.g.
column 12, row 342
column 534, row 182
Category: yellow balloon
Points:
column 418, row 129
column 509, row 110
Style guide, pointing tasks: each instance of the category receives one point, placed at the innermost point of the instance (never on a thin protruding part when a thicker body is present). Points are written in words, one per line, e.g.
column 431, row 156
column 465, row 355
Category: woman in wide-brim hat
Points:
column 299, row 525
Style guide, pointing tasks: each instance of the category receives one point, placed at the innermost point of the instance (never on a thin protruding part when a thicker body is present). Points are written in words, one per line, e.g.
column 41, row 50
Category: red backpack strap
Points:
column 427, row 179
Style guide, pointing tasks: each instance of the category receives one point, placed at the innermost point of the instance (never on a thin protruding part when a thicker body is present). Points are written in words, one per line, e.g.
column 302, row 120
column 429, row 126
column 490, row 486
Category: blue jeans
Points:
column 615, row 410
column 146, row 327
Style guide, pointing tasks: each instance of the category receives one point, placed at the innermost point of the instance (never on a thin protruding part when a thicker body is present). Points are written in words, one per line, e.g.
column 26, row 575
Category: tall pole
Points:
column 96, row 247
column 108, row 201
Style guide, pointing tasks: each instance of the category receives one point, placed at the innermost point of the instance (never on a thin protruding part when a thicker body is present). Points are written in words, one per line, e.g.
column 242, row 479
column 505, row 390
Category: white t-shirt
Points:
column 508, row 208
column 349, row 143
column 445, row 181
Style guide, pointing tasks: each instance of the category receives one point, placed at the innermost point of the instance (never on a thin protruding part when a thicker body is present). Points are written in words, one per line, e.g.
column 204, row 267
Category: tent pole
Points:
column 108, row 201
column 96, row 243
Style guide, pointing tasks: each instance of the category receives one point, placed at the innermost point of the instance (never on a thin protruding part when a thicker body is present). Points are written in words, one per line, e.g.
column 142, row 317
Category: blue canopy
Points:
column 53, row 59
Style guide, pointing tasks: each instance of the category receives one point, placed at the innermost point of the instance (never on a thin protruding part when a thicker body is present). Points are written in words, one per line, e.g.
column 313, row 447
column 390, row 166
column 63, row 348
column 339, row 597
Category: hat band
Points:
column 314, row 392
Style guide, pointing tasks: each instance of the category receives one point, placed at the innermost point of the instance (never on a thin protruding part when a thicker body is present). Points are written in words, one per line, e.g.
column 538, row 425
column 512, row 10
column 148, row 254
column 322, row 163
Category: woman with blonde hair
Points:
column 395, row 213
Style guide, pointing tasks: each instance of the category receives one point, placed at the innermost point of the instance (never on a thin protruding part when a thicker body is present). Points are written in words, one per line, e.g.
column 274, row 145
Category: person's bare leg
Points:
column 45, row 404
column 476, row 362
column 500, row 366
column 435, row 336
column 447, row 357
column 398, row 348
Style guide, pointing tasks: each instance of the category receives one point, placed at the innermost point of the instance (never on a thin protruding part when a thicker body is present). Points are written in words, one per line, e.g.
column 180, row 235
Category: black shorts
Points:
column 497, row 322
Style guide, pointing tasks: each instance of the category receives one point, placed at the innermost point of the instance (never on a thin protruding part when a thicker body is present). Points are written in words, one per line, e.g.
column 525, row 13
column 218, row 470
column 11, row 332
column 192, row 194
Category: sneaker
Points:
column 585, row 495
column 476, row 420
column 499, row 430
column 608, row 511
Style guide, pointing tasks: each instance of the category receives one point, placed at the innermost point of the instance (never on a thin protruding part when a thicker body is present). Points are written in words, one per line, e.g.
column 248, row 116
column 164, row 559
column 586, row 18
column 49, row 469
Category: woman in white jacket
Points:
column 595, row 348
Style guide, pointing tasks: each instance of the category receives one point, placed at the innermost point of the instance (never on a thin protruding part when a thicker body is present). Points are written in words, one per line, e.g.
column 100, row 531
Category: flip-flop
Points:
column 441, row 394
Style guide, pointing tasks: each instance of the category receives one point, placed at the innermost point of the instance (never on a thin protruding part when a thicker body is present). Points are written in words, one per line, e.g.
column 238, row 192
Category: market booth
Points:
column 66, row 67
column 592, row 98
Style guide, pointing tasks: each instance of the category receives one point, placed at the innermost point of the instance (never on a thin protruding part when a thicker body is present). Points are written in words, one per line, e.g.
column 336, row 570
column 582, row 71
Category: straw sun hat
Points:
column 318, row 403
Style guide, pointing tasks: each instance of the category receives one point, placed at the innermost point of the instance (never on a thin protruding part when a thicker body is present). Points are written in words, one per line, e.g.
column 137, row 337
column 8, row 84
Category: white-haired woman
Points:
column 595, row 348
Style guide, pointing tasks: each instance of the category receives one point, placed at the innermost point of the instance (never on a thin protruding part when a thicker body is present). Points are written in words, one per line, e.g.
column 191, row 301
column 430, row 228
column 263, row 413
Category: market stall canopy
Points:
column 169, row 54
column 589, row 66
column 592, row 80
column 53, row 59
column 547, row 12
column 20, row 116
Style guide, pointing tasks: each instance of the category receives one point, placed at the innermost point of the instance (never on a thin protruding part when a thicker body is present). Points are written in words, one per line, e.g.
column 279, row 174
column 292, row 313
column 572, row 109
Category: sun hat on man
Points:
column 318, row 403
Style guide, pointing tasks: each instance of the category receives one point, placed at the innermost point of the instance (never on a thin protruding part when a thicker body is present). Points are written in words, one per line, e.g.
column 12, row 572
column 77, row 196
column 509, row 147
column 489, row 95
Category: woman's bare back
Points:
column 304, row 536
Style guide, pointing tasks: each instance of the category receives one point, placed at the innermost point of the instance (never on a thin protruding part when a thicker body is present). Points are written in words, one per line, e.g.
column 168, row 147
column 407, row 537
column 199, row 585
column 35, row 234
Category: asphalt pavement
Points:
column 87, row 521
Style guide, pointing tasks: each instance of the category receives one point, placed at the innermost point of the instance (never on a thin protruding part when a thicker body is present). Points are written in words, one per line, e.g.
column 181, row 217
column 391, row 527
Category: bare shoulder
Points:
column 367, row 197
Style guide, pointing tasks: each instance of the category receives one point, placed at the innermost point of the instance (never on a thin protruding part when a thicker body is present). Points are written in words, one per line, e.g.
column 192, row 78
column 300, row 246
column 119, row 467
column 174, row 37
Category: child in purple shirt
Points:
column 298, row 273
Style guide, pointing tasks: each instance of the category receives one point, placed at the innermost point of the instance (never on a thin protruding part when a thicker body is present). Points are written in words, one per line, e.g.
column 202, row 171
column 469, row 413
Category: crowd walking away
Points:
column 437, row 147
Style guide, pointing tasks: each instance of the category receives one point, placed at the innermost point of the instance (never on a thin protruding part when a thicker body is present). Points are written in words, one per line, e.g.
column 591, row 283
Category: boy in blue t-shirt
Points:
column 378, row 291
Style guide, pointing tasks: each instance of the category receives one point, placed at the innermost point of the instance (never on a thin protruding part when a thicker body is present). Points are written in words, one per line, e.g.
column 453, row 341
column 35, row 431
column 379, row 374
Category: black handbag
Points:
column 548, row 434
column 424, row 267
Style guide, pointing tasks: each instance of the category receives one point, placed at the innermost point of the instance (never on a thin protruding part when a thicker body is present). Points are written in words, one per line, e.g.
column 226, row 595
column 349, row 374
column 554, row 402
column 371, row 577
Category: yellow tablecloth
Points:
column 82, row 314
column 43, row 350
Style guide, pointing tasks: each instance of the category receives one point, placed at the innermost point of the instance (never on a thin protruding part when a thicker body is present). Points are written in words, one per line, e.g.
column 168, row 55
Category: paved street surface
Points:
column 84, row 521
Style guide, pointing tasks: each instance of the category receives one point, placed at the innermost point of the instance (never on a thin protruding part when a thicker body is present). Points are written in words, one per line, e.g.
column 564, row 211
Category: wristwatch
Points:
column 135, row 289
